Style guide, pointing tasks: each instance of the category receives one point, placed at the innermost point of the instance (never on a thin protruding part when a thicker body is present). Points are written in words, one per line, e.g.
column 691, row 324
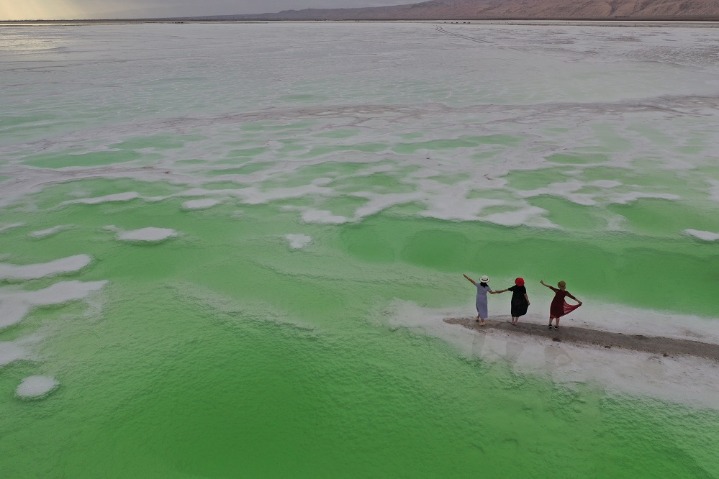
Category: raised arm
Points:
column 470, row 279
column 550, row 287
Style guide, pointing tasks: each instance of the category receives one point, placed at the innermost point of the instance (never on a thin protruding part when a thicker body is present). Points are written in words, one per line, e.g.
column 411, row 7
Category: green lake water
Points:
column 262, row 205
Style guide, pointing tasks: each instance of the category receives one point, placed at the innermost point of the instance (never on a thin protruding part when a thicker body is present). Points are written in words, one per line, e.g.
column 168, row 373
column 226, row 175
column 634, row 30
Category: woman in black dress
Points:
column 520, row 300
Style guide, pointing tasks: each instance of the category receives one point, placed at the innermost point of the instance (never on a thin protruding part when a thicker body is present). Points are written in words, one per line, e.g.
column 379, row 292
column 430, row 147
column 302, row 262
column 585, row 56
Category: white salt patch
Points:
column 322, row 181
column 36, row 387
column 569, row 191
column 626, row 198
column 199, row 204
column 6, row 227
column 461, row 208
column 49, row 232
column 322, row 217
column 530, row 216
column 255, row 196
column 379, row 202
column 147, row 235
column 605, row 183
column 228, row 309
column 117, row 197
column 616, row 223
column 298, row 241
column 16, row 304
column 70, row 264
column 703, row 235
column 714, row 190
column 566, row 189
column 11, row 352
column 680, row 379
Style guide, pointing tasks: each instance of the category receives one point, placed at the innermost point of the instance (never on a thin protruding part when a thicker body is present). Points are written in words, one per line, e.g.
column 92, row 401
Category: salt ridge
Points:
column 71, row 264
column 148, row 235
column 200, row 204
column 143, row 235
column 703, row 235
column 36, row 387
column 8, row 227
column 691, row 381
column 298, row 241
column 431, row 193
column 16, row 304
column 49, row 231
column 11, row 352
column 117, row 197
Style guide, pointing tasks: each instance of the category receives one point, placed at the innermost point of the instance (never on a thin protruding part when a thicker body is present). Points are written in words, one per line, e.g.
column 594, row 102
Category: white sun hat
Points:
column 484, row 279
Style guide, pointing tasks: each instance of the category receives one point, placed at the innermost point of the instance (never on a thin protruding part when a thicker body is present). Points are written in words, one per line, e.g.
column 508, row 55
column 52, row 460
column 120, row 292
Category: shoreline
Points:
column 709, row 22
column 666, row 347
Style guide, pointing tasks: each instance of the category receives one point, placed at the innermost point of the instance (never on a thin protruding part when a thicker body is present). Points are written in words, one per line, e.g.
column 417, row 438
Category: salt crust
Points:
column 70, row 264
column 714, row 190
column 18, row 350
column 438, row 118
column 143, row 235
column 7, row 227
column 298, row 241
column 691, row 381
column 11, row 352
column 200, row 204
column 323, row 217
column 16, row 304
column 151, row 234
column 36, row 387
column 703, row 235
column 117, row 197
column 49, row 231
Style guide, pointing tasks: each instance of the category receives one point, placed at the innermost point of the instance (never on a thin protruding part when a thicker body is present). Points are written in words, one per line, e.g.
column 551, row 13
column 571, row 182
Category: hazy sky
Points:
column 77, row 9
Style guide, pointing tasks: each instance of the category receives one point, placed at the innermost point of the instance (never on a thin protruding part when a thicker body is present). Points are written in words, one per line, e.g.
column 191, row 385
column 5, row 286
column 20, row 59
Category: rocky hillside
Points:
column 511, row 9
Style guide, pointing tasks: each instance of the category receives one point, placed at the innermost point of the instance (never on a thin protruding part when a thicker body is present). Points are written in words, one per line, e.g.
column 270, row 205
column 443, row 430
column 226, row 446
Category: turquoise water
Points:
column 226, row 250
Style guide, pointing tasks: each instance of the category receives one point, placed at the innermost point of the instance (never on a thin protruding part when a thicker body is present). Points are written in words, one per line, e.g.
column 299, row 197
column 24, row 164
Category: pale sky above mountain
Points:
column 79, row 9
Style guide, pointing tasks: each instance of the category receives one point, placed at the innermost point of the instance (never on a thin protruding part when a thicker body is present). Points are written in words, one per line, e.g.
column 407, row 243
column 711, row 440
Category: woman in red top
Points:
column 559, row 306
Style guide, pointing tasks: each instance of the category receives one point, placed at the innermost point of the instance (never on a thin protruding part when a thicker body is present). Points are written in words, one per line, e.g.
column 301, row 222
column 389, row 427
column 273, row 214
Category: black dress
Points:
column 519, row 302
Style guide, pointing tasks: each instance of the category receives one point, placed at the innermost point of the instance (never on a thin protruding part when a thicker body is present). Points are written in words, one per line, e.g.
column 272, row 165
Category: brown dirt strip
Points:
column 575, row 335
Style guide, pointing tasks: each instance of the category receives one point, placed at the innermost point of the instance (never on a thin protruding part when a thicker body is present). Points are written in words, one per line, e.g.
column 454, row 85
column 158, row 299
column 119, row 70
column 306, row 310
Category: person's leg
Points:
column 550, row 322
column 481, row 321
column 556, row 325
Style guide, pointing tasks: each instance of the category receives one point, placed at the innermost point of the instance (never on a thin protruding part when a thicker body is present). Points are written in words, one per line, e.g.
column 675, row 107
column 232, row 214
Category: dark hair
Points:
column 484, row 285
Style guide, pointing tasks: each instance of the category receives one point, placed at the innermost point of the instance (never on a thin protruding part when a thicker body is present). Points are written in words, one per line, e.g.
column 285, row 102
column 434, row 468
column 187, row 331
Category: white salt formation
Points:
column 117, row 197
column 36, row 387
column 298, row 241
column 15, row 305
column 199, row 204
column 49, row 231
column 703, row 235
column 4, row 228
column 70, row 264
column 144, row 235
column 11, row 352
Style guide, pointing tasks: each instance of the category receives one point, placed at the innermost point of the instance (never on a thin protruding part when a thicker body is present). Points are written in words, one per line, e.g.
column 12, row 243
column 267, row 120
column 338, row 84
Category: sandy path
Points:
column 608, row 340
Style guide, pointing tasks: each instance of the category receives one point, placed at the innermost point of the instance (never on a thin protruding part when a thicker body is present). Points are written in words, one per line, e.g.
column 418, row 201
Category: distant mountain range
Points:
column 509, row 9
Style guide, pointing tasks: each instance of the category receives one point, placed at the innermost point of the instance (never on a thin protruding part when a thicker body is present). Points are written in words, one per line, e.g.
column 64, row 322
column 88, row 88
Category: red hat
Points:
column 519, row 281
